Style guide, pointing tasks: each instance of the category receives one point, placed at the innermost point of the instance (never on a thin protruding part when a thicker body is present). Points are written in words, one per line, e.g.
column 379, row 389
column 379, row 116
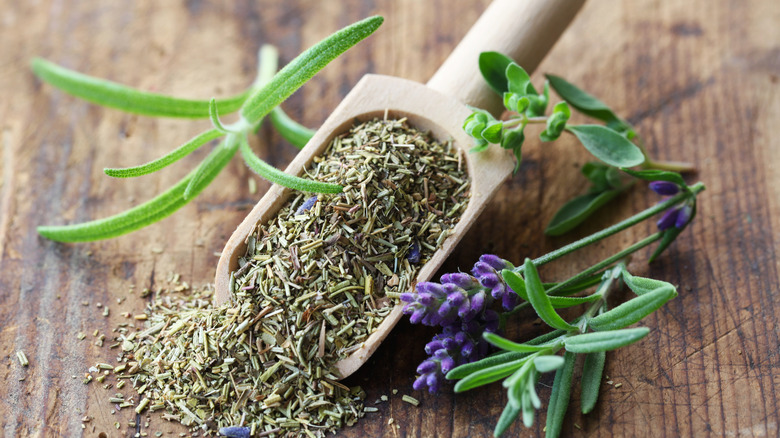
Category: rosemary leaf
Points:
column 508, row 417
column 559, row 397
column 279, row 177
column 540, row 301
column 141, row 215
column 506, row 344
column 173, row 156
column 304, row 67
column 114, row 95
column 289, row 129
column 211, row 165
column 592, row 371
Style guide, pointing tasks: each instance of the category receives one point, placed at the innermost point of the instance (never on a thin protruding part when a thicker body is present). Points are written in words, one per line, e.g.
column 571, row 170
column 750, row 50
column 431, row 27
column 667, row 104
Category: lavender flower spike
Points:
column 684, row 216
column 664, row 188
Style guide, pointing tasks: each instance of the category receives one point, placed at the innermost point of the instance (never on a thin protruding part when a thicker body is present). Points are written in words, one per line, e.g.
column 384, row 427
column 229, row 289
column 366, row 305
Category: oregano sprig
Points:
column 615, row 143
column 262, row 98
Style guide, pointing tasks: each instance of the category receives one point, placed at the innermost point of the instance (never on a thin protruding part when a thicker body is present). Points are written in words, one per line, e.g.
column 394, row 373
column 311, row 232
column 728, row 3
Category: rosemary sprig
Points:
column 263, row 97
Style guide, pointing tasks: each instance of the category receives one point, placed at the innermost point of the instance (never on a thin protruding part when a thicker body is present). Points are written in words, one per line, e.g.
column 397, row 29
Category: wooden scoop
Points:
column 525, row 30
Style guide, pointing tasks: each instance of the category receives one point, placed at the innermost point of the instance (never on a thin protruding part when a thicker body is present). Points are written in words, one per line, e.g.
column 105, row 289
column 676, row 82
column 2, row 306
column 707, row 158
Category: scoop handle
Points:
column 524, row 30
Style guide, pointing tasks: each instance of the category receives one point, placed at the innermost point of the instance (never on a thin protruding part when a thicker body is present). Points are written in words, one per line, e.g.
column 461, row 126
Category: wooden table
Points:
column 698, row 78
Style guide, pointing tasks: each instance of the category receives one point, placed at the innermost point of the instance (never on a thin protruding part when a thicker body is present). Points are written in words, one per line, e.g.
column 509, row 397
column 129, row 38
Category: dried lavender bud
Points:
column 235, row 431
column 664, row 188
column 307, row 205
column 414, row 253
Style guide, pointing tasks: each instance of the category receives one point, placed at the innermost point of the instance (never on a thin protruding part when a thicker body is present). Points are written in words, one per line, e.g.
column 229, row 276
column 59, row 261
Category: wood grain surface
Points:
column 698, row 78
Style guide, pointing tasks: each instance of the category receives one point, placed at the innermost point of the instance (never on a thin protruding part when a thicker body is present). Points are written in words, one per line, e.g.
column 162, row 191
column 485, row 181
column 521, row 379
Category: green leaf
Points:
column 292, row 131
column 489, row 375
column 211, row 163
column 596, row 173
column 279, row 177
column 539, row 299
column 493, row 66
column 613, row 178
column 632, row 310
column 556, row 122
column 513, row 139
column 584, row 102
column 657, row 175
column 304, row 67
column 506, row 344
column 492, row 132
column 547, row 363
column 577, row 210
column 642, row 285
column 607, row 145
column 563, row 302
column 515, row 282
column 173, row 156
column 500, row 358
column 538, row 103
column 515, row 102
column 604, row 341
column 111, row 94
column 559, row 397
column 592, row 371
column 518, row 80
column 508, row 416
column 140, row 216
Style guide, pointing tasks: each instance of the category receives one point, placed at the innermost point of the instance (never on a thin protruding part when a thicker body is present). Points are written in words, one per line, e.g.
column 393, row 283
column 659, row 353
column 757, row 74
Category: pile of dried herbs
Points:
column 315, row 283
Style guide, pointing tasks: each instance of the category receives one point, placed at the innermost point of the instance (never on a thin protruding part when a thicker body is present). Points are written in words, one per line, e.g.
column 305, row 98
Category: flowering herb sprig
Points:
column 615, row 143
column 269, row 90
column 463, row 305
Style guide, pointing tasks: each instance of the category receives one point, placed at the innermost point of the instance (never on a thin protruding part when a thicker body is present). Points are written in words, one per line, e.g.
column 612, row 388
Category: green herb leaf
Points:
column 559, row 397
column 515, row 282
column 508, row 416
column 556, row 122
column 577, row 210
column 211, row 164
column 563, row 302
column 518, row 80
column 538, row 103
column 493, row 66
column 139, row 216
column 489, row 375
column 657, row 175
column 292, row 131
column 632, row 310
column 277, row 176
column 607, row 145
column 515, row 102
column 513, row 139
column 304, row 67
column 111, row 94
column 596, row 173
column 604, row 341
column 539, row 299
column 547, row 363
column 584, row 102
column 642, row 285
column 592, row 371
column 506, row 344
column 173, row 156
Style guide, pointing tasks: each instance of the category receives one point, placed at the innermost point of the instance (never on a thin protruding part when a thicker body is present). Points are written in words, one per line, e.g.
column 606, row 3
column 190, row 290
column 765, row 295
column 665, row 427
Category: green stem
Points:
column 607, row 262
column 672, row 166
column 604, row 289
column 620, row 226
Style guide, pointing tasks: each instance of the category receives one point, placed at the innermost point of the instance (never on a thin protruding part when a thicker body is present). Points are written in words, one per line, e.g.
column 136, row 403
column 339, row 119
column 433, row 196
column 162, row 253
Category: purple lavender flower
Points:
column 459, row 343
column 488, row 272
column 307, row 205
column 668, row 219
column 664, row 188
column 684, row 216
